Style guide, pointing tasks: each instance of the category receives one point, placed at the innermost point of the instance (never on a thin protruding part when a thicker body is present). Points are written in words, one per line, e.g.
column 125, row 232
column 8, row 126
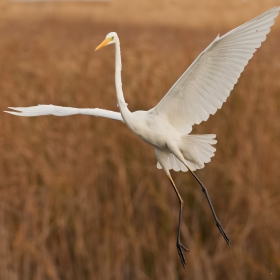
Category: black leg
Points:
column 178, row 244
column 218, row 224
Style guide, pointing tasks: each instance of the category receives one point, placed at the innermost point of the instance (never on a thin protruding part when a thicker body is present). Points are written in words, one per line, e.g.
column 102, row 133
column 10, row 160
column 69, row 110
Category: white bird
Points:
column 199, row 92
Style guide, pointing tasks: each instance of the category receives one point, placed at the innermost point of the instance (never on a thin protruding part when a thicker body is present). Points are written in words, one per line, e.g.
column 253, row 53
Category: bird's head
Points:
column 110, row 38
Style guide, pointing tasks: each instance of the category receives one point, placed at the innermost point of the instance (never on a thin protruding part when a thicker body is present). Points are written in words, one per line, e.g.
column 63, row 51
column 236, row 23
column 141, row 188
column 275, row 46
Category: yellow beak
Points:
column 103, row 44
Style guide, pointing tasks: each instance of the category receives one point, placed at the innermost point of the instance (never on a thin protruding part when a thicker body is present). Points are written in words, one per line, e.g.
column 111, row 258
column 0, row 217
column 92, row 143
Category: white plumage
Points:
column 43, row 110
column 199, row 92
column 201, row 146
column 207, row 83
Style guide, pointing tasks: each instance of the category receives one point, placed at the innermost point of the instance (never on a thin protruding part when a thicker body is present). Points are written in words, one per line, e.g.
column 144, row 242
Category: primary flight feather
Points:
column 199, row 92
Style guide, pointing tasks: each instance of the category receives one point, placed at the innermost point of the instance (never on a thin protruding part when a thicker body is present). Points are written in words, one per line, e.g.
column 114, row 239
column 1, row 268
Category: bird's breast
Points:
column 153, row 130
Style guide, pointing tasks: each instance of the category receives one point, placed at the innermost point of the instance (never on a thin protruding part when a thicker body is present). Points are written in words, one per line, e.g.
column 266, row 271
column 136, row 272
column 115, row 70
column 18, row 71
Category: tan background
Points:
column 188, row 13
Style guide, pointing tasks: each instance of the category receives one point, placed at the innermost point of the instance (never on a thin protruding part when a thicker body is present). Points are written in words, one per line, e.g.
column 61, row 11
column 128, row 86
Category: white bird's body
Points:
column 149, row 128
column 199, row 92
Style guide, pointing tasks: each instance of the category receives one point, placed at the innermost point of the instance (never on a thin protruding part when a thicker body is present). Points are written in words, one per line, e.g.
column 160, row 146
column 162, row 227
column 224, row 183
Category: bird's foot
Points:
column 180, row 253
column 223, row 232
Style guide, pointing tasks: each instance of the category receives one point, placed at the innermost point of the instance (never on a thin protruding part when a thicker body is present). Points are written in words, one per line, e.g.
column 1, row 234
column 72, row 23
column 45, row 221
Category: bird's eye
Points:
column 112, row 38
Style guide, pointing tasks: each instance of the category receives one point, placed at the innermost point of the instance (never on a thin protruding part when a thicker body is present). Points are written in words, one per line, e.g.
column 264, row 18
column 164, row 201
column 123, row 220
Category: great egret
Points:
column 199, row 92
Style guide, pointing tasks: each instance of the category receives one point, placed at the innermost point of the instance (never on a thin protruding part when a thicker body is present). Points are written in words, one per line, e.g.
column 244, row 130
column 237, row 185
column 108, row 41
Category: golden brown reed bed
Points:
column 81, row 197
column 183, row 13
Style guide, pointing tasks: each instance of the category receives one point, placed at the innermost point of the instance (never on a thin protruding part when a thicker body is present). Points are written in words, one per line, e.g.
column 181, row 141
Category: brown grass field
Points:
column 81, row 198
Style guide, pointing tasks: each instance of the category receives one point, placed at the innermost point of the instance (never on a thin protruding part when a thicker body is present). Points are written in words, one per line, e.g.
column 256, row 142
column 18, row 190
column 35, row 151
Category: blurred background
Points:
column 81, row 197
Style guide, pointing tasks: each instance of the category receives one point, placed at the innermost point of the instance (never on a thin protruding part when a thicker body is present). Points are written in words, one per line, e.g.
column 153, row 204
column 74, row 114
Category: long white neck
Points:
column 118, row 81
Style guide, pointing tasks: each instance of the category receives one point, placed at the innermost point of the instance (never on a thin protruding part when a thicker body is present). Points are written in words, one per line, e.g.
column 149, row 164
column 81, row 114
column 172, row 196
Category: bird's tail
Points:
column 197, row 150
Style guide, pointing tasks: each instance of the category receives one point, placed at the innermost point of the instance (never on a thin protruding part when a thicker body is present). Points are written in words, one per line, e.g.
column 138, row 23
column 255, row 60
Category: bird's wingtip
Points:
column 12, row 113
column 14, row 108
column 18, row 111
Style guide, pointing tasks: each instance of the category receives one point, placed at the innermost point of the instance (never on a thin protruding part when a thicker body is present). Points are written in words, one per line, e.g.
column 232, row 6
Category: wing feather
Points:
column 43, row 110
column 207, row 83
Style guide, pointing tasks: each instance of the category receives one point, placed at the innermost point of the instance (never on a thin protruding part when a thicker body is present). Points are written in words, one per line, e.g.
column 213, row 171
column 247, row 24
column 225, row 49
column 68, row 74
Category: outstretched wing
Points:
column 206, row 84
column 42, row 110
